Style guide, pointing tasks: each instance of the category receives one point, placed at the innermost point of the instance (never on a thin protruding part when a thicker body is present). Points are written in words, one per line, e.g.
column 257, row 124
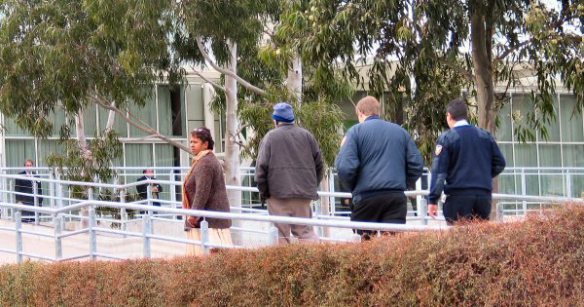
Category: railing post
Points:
column 332, row 199
column 273, row 235
column 4, row 185
column 423, row 210
column 52, row 190
column 59, row 191
column 58, row 218
column 18, row 225
column 92, row 223
column 205, row 237
column 568, row 183
column 523, row 191
column 500, row 212
column 172, row 191
column 123, row 212
column 419, row 210
column 149, row 201
column 146, row 232
column 35, row 200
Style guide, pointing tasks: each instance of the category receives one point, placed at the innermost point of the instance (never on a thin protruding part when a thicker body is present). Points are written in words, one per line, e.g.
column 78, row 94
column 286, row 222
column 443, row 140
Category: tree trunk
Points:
column 111, row 118
column 232, row 150
column 294, row 80
column 81, row 139
column 325, row 203
column 481, row 36
column 480, row 41
column 80, row 131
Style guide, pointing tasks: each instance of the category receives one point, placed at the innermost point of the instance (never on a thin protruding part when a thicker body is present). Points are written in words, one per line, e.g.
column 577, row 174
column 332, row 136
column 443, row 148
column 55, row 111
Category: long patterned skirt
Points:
column 216, row 236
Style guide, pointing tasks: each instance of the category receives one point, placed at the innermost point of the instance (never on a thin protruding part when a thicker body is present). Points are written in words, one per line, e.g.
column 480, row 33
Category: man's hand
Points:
column 433, row 210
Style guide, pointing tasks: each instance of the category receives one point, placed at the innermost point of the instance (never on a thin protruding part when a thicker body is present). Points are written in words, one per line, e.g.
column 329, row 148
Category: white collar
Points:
column 462, row 122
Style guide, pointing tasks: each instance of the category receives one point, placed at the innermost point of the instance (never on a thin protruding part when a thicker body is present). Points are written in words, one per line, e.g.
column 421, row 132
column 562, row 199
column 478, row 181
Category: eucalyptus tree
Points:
column 427, row 52
column 65, row 55
column 266, row 67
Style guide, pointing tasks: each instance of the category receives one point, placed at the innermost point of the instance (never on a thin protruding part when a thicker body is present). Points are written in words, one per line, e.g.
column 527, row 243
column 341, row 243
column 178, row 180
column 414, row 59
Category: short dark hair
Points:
column 457, row 109
column 204, row 134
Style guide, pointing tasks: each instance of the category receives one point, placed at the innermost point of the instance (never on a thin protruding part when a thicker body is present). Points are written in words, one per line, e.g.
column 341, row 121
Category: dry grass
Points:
column 537, row 262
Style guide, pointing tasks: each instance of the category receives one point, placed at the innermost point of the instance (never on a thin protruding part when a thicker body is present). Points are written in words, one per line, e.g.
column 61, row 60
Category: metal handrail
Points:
column 57, row 213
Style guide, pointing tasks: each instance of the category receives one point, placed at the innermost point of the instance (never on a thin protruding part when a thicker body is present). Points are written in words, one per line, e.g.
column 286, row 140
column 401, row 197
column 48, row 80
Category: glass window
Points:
column 572, row 130
column 507, row 183
column 522, row 106
column 12, row 129
column 146, row 114
column 164, row 110
column 17, row 151
column 120, row 125
column 573, row 155
column 550, row 155
column 90, row 120
column 525, row 155
column 532, row 184
column 58, row 120
column 552, row 185
column 138, row 155
column 47, row 147
column 507, row 151
column 504, row 131
column 577, row 185
column 164, row 155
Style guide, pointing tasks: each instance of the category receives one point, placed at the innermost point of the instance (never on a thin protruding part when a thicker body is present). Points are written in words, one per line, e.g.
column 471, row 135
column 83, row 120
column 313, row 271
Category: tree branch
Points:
column 243, row 82
column 143, row 127
column 198, row 73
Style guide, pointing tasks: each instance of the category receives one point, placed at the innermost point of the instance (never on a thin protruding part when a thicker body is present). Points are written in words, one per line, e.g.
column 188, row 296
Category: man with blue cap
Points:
column 289, row 169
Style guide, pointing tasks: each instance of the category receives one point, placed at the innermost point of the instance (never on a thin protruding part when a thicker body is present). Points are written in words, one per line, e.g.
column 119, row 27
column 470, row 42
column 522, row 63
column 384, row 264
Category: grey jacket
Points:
column 378, row 156
column 289, row 163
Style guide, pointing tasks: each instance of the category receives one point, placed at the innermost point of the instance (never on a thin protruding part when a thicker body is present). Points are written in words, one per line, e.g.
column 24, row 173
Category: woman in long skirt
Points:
column 204, row 189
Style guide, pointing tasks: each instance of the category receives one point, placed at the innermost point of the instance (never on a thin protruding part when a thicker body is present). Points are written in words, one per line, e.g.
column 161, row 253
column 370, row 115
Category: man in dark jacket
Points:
column 289, row 169
column 143, row 188
column 25, row 189
column 466, row 159
column 376, row 162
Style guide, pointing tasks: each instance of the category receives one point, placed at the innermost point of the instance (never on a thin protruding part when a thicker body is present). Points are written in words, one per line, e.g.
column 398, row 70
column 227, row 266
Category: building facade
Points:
column 171, row 110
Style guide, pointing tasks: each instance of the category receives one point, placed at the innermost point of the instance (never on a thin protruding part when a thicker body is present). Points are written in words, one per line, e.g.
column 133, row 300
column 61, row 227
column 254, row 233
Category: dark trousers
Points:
column 27, row 216
column 467, row 206
column 385, row 207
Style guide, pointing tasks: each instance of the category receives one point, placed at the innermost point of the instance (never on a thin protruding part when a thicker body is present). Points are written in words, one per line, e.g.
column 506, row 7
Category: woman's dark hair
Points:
column 203, row 134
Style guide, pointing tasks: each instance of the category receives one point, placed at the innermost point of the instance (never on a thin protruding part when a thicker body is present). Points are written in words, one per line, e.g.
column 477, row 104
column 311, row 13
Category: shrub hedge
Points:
column 536, row 262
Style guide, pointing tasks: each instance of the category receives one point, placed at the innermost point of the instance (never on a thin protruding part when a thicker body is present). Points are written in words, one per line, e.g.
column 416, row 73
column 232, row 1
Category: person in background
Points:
column 155, row 187
column 377, row 161
column 289, row 169
column 25, row 189
column 466, row 160
column 204, row 189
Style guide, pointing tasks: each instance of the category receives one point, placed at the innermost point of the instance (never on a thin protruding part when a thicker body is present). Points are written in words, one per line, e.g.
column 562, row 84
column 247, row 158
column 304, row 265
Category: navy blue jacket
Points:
column 466, row 159
column 378, row 156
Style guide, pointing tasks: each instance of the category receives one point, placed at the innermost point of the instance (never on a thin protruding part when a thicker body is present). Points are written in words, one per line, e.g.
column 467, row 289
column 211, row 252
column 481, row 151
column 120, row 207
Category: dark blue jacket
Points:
column 465, row 160
column 378, row 156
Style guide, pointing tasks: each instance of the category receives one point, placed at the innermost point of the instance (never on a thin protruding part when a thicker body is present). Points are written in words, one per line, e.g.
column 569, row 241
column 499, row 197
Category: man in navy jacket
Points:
column 466, row 159
column 376, row 162
column 26, row 190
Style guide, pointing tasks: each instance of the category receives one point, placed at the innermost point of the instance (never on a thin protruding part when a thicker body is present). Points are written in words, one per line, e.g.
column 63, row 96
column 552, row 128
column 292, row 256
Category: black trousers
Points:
column 467, row 206
column 385, row 207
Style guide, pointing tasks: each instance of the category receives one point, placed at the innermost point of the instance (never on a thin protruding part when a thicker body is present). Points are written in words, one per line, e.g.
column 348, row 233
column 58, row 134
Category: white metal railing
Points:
column 62, row 207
